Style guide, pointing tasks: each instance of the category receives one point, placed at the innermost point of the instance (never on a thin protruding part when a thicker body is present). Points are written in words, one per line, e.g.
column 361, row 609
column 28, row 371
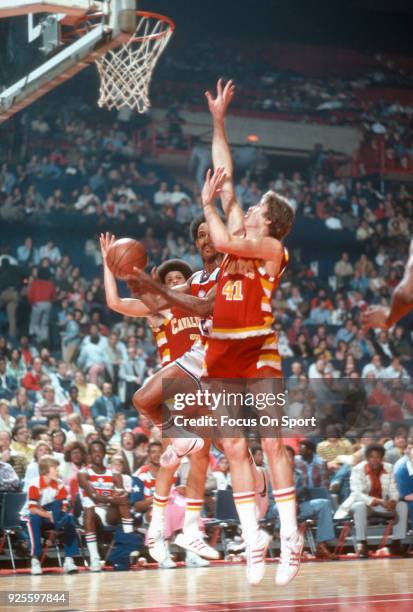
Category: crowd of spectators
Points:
column 266, row 86
column 263, row 87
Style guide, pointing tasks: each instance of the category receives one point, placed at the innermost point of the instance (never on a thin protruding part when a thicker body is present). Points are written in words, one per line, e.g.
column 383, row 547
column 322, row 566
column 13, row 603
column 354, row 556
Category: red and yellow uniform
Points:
column 242, row 341
column 192, row 361
column 174, row 334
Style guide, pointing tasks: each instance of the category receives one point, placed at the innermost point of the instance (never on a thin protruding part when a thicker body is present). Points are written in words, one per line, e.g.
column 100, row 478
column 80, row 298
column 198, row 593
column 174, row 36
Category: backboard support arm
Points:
column 63, row 66
column 118, row 23
column 10, row 8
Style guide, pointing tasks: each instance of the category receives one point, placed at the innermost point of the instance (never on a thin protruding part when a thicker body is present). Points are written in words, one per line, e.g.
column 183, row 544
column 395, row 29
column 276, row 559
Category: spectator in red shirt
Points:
column 74, row 406
column 31, row 380
column 41, row 295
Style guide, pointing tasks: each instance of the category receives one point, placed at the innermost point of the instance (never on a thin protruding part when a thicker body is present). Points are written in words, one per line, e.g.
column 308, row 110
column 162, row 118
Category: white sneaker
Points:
column 157, row 546
column 36, row 567
column 95, row 565
column 69, row 566
column 179, row 448
column 167, row 563
column 291, row 550
column 194, row 560
column 195, row 543
column 255, row 556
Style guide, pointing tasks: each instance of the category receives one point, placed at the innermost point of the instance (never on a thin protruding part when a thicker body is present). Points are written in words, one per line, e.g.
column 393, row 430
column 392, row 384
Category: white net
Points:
column 126, row 72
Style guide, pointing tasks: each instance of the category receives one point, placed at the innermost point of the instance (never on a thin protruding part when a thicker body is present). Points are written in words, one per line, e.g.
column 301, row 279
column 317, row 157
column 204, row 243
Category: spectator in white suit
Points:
column 374, row 491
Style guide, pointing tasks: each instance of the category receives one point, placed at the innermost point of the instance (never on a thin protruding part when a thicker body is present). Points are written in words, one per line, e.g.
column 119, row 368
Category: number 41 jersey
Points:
column 243, row 301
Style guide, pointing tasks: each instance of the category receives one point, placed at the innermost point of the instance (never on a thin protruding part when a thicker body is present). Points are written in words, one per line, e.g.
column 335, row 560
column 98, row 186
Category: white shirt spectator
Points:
column 370, row 369
column 284, row 346
column 92, row 354
column 223, row 480
column 333, row 223
column 71, row 436
column 87, row 200
column 392, row 372
column 26, row 252
column 177, row 196
column 51, row 252
column 162, row 196
column 127, row 192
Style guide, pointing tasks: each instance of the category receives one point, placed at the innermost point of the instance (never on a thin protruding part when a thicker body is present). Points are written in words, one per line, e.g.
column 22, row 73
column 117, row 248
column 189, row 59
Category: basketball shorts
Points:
column 192, row 361
column 100, row 510
column 253, row 357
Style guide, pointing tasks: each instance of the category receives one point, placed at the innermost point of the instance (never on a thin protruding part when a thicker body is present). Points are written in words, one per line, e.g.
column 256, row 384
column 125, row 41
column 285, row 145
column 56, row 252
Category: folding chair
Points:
column 310, row 524
column 52, row 540
column 10, row 507
column 385, row 520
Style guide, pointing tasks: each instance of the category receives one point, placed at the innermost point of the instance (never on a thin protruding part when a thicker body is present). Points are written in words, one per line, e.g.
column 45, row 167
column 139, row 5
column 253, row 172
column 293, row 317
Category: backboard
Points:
column 44, row 43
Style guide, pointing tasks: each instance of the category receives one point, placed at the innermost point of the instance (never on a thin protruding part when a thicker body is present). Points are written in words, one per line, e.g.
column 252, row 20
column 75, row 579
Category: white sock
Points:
column 158, row 513
column 193, row 509
column 127, row 525
column 287, row 509
column 92, row 545
column 245, row 504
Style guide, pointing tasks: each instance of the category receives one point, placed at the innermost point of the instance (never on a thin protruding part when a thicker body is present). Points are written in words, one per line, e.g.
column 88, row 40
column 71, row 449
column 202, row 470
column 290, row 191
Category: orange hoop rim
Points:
column 80, row 27
column 148, row 14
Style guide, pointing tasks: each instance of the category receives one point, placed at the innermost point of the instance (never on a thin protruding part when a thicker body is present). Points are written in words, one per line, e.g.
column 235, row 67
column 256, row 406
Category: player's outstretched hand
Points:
column 218, row 106
column 213, row 185
column 106, row 241
column 375, row 317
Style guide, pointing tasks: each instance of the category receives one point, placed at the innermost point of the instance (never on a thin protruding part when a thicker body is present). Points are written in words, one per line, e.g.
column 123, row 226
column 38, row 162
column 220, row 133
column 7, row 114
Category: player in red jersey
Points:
column 149, row 398
column 243, row 343
column 401, row 302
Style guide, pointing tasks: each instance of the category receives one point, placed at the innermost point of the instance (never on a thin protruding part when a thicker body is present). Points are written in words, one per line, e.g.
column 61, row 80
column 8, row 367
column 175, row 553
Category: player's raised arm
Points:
column 200, row 307
column 221, row 155
column 264, row 247
column 130, row 307
column 401, row 302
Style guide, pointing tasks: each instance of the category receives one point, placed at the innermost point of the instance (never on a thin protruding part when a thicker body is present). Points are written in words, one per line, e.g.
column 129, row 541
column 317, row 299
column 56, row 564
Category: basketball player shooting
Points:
column 181, row 358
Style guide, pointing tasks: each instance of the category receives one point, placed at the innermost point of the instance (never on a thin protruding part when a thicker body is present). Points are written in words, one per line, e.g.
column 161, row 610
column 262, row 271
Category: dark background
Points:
column 365, row 25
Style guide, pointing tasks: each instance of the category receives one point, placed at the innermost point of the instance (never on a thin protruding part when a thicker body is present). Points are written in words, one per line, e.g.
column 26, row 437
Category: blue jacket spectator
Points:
column 403, row 473
column 312, row 466
column 106, row 406
column 93, row 350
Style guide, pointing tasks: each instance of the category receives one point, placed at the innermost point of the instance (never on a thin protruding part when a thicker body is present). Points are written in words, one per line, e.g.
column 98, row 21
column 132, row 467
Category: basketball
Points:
column 124, row 255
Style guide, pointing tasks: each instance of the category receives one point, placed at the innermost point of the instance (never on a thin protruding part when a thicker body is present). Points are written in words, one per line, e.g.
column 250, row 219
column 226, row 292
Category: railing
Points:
column 380, row 159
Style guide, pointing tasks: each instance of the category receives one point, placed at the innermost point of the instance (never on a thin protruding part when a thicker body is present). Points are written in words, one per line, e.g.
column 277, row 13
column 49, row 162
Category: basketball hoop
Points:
column 126, row 71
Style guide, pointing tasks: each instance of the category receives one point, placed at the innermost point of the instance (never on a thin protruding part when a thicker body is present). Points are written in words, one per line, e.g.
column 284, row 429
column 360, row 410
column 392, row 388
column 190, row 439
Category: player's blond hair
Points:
column 280, row 214
column 46, row 463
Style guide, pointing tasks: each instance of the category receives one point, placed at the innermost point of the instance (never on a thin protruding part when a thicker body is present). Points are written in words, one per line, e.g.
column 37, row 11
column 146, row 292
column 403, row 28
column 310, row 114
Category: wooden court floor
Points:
column 382, row 585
